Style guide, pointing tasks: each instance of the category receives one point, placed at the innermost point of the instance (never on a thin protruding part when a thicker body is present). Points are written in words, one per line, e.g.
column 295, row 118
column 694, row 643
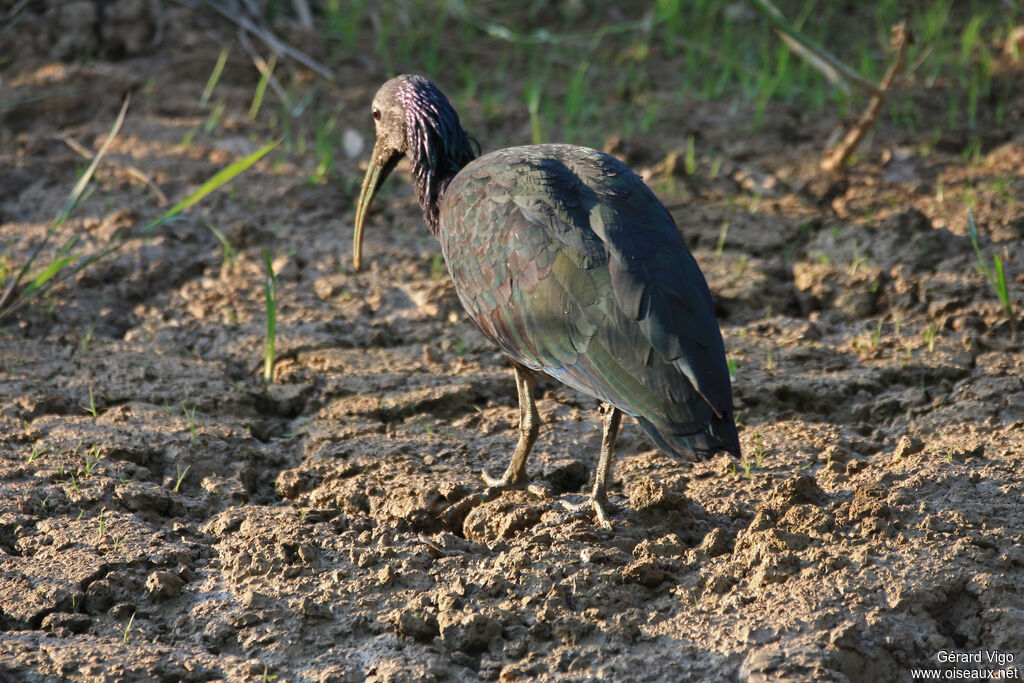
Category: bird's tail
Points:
column 719, row 435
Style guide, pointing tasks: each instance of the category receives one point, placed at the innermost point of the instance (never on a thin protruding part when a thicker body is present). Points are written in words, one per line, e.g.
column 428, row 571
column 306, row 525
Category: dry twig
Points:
column 133, row 171
column 835, row 158
column 272, row 41
column 303, row 13
column 264, row 69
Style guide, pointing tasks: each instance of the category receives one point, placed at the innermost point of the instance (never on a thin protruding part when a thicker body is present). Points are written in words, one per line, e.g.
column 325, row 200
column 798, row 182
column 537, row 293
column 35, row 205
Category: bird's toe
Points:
column 493, row 482
column 453, row 515
column 599, row 508
column 601, row 514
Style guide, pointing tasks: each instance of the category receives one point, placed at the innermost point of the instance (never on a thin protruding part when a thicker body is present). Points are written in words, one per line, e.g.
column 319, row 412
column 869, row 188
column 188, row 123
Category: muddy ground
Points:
column 163, row 516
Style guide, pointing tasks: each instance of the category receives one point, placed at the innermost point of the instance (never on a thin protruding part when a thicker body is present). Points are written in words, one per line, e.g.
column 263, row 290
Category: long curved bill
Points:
column 382, row 162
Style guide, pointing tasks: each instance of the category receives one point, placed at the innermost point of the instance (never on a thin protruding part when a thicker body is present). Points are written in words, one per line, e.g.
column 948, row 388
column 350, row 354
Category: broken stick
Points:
column 835, row 158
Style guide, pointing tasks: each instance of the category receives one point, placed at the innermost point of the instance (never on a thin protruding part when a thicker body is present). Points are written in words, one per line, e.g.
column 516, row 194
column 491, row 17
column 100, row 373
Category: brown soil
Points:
column 878, row 385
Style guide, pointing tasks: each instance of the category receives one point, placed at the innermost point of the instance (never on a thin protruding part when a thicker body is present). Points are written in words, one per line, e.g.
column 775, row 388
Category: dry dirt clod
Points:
column 502, row 518
column 646, row 494
column 907, row 446
column 717, row 542
column 254, row 600
column 72, row 623
column 646, row 572
column 164, row 584
column 468, row 633
column 416, row 623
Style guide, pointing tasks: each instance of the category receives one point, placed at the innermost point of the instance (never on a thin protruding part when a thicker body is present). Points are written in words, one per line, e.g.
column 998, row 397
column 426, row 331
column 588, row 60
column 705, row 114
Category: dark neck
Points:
column 436, row 157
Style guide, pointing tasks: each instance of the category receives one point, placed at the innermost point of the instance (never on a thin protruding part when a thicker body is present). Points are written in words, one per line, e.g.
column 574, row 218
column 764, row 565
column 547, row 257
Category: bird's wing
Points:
column 573, row 267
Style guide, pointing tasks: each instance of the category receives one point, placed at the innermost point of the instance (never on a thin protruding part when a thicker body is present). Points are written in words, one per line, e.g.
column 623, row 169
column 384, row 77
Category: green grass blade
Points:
column 270, row 342
column 996, row 275
column 76, row 192
column 225, row 245
column 221, row 177
column 534, row 91
column 1003, row 292
column 973, row 230
column 47, row 274
column 9, row 299
column 691, row 155
column 211, row 83
column 62, row 260
column 1000, row 281
column 266, row 71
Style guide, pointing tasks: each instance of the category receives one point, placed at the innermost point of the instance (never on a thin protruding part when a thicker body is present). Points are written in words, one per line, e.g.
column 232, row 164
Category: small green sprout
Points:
column 92, row 458
column 127, row 629
column 930, row 334
column 876, row 336
column 92, row 404
column 269, row 344
column 190, row 420
column 690, row 164
column 37, row 451
column 211, row 82
column 996, row 275
column 181, row 476
column 723, row 232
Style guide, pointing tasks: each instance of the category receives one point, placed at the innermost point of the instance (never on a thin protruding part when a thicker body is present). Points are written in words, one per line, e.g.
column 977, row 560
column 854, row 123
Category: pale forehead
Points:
column 389, row 93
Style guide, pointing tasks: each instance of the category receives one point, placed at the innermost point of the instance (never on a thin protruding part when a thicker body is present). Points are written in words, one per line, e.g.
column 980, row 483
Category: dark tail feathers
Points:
column 719, row 435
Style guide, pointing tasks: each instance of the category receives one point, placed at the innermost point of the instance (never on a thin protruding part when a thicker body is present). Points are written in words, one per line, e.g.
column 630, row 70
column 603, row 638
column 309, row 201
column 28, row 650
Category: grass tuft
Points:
column 996, row 274
column 57, row 271
column 37, row 451
column 92, row 459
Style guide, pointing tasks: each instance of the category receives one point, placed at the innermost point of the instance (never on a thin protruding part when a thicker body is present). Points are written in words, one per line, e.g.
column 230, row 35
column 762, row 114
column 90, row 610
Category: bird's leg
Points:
column 612, row 418
column 529, row 427
column 515, row 473
column 610, row 421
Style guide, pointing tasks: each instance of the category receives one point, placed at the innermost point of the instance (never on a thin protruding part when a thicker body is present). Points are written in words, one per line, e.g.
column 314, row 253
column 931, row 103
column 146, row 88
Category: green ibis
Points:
column 567, row 261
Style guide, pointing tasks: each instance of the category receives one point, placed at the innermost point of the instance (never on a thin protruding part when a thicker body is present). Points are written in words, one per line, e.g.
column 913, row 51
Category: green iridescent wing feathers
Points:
column 605, row 296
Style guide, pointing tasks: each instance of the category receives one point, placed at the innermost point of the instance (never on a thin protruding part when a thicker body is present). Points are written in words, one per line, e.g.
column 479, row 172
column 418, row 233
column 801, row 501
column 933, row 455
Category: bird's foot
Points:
column 456, row 512
column 593, row 503
column 506, row 481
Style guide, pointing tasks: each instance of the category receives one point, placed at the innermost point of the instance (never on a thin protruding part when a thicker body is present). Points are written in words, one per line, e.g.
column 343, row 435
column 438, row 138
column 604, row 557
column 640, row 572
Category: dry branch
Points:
column 237, row 15
column 264, row 69
column 835, row 158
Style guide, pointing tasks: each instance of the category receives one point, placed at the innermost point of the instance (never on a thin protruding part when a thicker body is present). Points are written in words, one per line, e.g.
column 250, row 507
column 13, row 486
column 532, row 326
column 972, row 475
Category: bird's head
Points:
column 412, row 117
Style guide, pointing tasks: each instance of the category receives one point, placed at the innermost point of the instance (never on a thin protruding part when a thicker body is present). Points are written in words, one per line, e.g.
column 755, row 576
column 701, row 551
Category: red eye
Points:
column 376, row 114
